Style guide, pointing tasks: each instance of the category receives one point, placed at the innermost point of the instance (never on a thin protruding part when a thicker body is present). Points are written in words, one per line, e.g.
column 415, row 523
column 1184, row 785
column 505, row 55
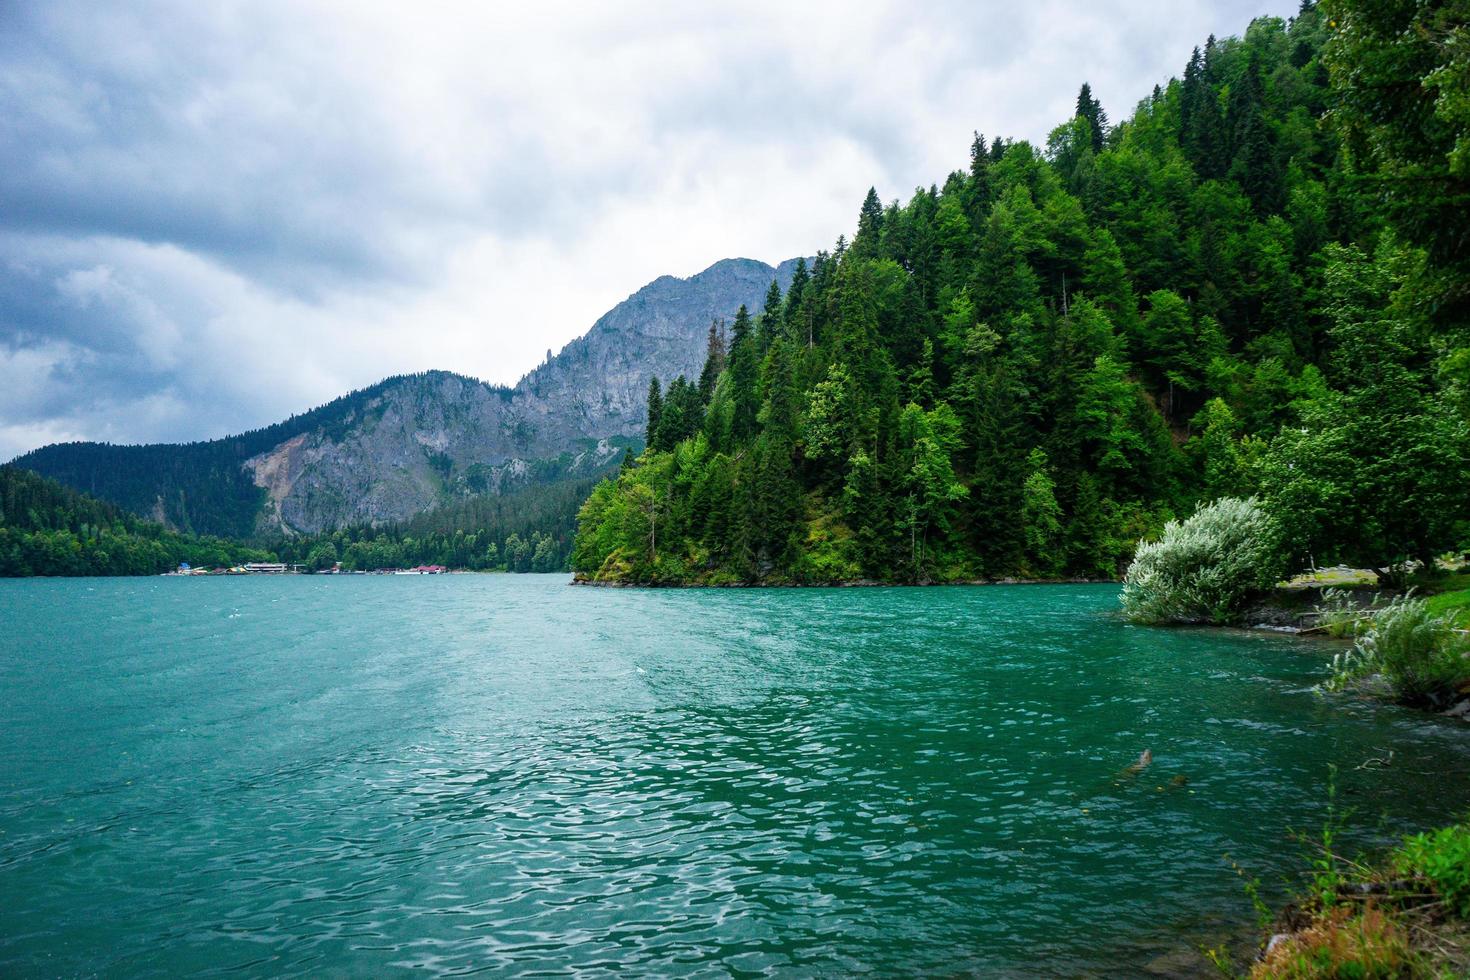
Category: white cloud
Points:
column 216, row 214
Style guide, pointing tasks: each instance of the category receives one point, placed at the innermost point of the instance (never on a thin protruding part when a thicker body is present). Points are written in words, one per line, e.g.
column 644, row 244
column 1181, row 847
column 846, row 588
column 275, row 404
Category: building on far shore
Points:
column 269, row 568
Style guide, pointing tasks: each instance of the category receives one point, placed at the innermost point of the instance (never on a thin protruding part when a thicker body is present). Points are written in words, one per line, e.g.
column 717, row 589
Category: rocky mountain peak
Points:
column 412, row 442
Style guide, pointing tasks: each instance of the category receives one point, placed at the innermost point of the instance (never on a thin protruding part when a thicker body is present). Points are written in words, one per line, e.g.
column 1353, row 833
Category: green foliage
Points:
column 1340, row 616
column 1202, row 570
column 1421, row 655
column 1023, row 371
column 1401, row 80
column 1443, row 857
column 1326, row 863
column 528, row 531
column 1375, row 473
column 1452, row 600
column 1042, row 517
column 927, row 442
column 1372, row 920
column 49, row 529
column 200, row 487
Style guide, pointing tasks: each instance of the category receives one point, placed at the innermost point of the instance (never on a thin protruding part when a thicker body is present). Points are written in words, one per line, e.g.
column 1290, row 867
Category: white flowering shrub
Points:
column 1203, row 569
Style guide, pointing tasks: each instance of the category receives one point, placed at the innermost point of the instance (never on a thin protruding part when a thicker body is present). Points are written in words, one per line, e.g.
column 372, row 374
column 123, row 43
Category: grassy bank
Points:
column 1403, row 914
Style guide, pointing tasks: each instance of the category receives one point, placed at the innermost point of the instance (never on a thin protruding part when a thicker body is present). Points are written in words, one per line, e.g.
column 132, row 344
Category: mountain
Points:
column 410, row 443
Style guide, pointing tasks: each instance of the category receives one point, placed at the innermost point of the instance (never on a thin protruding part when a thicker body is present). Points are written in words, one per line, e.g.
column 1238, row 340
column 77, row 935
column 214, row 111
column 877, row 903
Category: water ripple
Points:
column 500, row 774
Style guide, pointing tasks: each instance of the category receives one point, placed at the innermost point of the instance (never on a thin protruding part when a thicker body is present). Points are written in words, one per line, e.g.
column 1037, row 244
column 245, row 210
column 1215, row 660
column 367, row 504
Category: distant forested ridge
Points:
column 50, row 529
column 527, row 531
column 197, row 487
column 1256, row 284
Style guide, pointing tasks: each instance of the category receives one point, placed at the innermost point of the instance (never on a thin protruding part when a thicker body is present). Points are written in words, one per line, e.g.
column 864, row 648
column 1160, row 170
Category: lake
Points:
column 361, row 775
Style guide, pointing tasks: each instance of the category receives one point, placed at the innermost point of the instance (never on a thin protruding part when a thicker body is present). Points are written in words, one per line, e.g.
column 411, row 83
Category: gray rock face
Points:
column 598, row 384
column 419, row 440
column 410, row 443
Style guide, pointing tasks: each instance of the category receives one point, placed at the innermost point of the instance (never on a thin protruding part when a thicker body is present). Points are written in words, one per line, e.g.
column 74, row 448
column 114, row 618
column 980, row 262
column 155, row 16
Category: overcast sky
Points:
column 213, row 215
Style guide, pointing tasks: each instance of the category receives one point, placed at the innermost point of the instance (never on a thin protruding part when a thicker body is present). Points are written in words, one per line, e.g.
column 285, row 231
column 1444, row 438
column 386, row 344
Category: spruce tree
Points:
column 655, row 409
column 743, row 377
column 1091, row 110
column 979, row 168
column 870, row 225
column 1253, row 159
column 714, row 361
column 799, row 305
column 770, row 319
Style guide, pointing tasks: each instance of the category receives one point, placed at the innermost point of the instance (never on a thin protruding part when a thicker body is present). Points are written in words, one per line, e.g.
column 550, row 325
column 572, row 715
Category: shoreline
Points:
column 1269, row 613
column 844, row 584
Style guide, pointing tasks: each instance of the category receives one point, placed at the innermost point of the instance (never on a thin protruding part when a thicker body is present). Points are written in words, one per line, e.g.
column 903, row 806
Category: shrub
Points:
column 1202, row 570
column 1339, row 615
column 1421, row 655
column 1443, row 857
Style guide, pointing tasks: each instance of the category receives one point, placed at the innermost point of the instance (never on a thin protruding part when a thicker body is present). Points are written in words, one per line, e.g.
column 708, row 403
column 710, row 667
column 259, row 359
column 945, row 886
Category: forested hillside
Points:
column 199, row 487
column 529, row 531
column 1254, row 284
column 49, row 529
column 412, row 443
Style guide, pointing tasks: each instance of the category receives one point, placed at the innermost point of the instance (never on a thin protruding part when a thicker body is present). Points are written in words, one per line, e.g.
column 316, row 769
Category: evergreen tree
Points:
column 1253, row 159
column 870, row 226
column 655, row 410
column 770, row 319
column 743, row 374
column 1091, row 111
column 1058, row 325
column 714, row 361
column 979, row 170
column 1041, row 516
column 797, row 307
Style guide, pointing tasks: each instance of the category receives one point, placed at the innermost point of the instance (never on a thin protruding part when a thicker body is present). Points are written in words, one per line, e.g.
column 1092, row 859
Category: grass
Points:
column 1332, row 578
column 1423, row 658
column 1405, row 916
column 1449, row 596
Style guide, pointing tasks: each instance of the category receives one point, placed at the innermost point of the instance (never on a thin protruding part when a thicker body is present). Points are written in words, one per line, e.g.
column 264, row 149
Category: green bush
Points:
column 1340, row 616
column 1444, row 858
column 1421, row 655
column 1202, row 570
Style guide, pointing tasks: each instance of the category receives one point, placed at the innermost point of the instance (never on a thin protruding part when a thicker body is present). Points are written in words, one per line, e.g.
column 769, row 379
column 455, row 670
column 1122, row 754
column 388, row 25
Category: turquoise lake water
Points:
column 360, row 775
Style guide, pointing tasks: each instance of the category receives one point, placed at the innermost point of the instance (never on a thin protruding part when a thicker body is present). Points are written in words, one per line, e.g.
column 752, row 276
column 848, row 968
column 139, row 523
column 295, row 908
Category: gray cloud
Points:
column 214, row 214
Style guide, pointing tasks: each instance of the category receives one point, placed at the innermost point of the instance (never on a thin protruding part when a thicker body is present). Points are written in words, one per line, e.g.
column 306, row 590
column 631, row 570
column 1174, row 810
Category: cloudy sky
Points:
column 215, row 214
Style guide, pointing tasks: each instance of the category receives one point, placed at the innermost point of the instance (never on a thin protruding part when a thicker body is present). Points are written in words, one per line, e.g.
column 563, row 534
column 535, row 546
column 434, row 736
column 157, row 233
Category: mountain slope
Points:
column 410, row 443
column 1027, row 369
column 50, row 529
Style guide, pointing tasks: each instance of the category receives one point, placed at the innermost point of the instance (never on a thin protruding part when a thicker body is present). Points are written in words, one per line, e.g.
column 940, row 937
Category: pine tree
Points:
column 1202, row 137
column 1091, row 110
column 743, row 377
column 796, row 298
column 1253, row 159
column 680, row 416
column 980, row 189
column 1041, row 515
column 655, row 409
column 714, row 361
column 776, row 497
column 870, row 225
column 770, row 319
